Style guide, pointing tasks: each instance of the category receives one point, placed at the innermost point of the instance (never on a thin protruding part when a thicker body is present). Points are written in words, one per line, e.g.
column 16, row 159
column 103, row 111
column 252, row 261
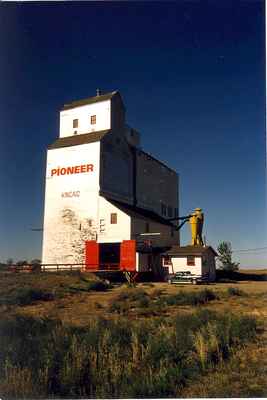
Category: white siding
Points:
column 71, row 203
column 180, row 264
column 165, row 238
column 112, row 233
column 83, row 113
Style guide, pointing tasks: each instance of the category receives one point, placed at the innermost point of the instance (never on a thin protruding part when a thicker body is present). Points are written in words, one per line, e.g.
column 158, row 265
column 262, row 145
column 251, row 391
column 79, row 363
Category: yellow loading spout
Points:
column 196, row 223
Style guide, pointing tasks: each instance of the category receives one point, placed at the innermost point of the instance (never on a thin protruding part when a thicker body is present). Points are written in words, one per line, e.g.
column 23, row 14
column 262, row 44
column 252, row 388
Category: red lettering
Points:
column 90, row 167
column 77, row 169
column 70, row 170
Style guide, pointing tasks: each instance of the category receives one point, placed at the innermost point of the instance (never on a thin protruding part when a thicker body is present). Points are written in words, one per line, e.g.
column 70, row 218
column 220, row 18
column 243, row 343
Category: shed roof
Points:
column 91, row 100
column 190, row 250
column 75, row 140
column 139, row 212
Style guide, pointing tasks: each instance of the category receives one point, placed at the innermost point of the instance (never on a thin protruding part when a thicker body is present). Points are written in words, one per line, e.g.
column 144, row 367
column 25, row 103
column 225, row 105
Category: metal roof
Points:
column 189, row 250
column 91, row 100
column 138, row 212
column 75, row 140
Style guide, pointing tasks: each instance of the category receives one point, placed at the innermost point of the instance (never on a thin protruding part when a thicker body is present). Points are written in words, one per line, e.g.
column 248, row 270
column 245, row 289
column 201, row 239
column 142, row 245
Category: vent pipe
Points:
column 98, row 92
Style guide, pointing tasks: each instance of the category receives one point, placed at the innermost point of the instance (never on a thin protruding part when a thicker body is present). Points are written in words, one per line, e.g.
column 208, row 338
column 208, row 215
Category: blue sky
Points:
column 192, row 76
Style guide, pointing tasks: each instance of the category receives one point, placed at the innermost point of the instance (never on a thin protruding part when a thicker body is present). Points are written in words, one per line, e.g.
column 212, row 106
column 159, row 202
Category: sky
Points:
column 192, row 77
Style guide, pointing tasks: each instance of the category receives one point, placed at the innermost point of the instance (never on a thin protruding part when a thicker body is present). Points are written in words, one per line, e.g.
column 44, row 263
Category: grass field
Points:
column 72, row 335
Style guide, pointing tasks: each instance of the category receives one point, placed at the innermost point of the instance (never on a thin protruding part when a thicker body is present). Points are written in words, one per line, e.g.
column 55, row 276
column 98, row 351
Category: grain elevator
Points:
column 108, row 203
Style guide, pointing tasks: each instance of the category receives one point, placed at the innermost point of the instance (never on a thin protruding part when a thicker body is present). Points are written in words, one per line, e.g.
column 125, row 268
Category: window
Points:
column 169, row 211
column 190, row 260
column 167, row 260
column 113, row 218
column 163, row 209
column 176, row 212
column 75, row 123
column 93, row 119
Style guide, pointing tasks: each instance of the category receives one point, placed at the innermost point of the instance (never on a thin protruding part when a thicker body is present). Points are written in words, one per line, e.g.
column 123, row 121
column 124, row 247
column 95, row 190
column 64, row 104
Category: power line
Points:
column 247, row 250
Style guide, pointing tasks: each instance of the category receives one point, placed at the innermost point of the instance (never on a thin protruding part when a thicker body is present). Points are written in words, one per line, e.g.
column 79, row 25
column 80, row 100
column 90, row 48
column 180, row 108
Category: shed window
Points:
column 93, row 119
column 113, row 218
column 190, row 260
column 167, row 260
column 75, row 123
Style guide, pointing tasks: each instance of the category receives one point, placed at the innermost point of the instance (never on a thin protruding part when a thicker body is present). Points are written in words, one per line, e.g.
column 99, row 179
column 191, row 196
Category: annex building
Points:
column 108, row 203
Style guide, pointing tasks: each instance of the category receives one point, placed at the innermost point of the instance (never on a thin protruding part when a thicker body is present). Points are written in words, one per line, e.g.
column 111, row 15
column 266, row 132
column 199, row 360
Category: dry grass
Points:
column 243, row 375
column 95, row 303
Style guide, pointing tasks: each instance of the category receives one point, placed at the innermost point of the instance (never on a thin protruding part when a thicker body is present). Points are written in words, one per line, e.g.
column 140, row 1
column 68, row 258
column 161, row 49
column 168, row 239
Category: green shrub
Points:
column 191, row 298
column 131, row 295
column 25, row 296
column 232, row 291
column 129, row 298
column 119, row 307
column 99, row 286
column 143, row 302
column 88, row 285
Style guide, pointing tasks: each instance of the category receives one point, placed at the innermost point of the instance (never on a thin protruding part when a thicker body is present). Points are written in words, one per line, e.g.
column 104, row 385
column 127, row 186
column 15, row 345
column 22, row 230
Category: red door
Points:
column 91, row 255
column 128, row 255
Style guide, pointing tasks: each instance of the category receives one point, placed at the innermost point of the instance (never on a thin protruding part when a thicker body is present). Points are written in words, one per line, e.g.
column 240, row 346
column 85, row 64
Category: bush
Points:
column 131, row 295
column 88, row 285
column 26, row 296
column 191, row 298
column 129, row 298
column 143, row 302
column 98, row 286
column 232, row 291
column 119, row 307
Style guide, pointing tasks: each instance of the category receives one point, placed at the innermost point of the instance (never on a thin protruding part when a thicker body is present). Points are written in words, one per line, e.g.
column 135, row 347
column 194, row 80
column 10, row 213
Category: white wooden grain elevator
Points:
column 107, row 202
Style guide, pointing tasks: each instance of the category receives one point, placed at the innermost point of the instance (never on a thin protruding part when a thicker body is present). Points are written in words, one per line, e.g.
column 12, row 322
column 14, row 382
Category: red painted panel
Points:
column 128, row 255
column 91, row 255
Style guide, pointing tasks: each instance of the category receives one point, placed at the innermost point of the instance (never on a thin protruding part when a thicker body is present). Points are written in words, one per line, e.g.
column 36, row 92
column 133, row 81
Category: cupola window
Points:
column 75, row 123
column 93, row 119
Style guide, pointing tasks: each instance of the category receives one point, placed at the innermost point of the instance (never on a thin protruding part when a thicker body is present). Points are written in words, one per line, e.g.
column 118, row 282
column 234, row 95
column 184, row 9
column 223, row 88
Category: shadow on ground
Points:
column 240, row 276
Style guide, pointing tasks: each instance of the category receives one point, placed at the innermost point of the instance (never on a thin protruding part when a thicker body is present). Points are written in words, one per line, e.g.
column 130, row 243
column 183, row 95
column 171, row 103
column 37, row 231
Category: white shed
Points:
column 199, row 260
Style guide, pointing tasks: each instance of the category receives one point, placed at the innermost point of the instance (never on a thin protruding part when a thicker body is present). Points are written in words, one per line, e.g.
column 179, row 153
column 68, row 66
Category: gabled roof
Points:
column 78, row 139
column 91, row 100
column 190, row 250
column 139, row 212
